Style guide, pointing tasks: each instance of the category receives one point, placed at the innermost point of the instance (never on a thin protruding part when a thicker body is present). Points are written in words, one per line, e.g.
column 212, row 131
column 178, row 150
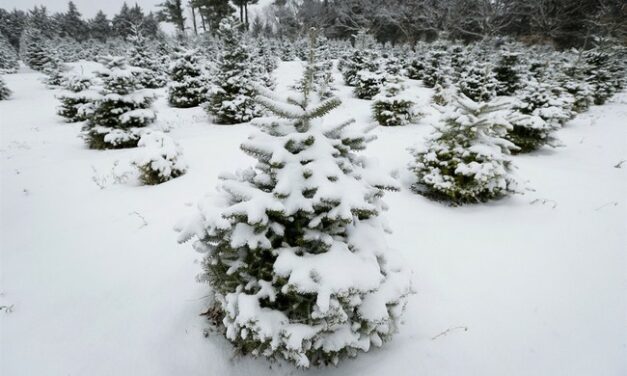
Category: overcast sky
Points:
column 88, row 8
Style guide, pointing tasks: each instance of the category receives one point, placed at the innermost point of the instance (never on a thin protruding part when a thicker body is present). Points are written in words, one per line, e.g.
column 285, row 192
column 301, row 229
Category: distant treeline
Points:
column 565, row 23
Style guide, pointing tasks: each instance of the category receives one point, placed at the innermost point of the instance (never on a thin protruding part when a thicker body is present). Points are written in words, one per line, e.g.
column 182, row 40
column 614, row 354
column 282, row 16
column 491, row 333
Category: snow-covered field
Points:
column 534, row 284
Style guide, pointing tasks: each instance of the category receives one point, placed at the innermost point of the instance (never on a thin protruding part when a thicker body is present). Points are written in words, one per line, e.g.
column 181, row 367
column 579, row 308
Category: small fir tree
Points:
column 295, row 249
column 368, row 84
column 5, row 92
column 574, row 82
column 598, row 76
column 435, row 71
column 478, row 82
column 187, row 88
column 77, row 101
column 34, row 50
column 546, row 101
column 231, row 101
column 8, row 56
column 467, row 160
column 393, row 106
column 362, row 58
column 415, row 68
column 145, row 65
column 122, row 110
column 506, row 73
column 160, row 158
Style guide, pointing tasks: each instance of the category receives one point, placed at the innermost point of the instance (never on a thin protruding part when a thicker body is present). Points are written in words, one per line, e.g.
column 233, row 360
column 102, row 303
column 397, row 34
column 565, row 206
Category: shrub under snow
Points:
column 160, row 158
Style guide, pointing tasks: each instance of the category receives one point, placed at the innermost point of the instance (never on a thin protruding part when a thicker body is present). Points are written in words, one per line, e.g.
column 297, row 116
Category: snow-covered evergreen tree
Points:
column 160, row 158
column 573, row 80
column 478, row 82
column 145, row 65
column 56, row 73
column 362, row 58
column 231, row 100
column 435, row 71
column 393, row 106
column 34, row 49
column 415, row 68
column 77, row 101
column 529, row 132
column 187, row 88
column 546, row 100
column 265, row 63
column 466, row 160
column 598, row 75
column 8, row 56
column 322, row 83
column 5, row 92
column 121, row 111
column 295, row 247
column 368, row 83
column 506, row 73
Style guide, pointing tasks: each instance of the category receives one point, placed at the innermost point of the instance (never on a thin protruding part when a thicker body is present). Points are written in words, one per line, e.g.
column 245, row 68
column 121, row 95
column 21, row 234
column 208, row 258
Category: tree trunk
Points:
column 246, row 10
column 241, row 13
column 202, row 20
column 194, row 20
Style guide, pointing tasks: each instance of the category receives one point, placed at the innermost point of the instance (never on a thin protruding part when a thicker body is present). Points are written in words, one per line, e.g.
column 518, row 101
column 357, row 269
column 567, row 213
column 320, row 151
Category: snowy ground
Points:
column 534, row 284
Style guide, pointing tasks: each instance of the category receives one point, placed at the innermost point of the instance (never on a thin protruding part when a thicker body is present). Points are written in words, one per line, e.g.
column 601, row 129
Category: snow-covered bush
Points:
column 393, row 106
column 77, row 101
column 120, row 112
column 368, row 84
column 160, row 158
column 187, row 88
column 5, row 92
column 231, row 100
column 295, row 247
column 466, row 160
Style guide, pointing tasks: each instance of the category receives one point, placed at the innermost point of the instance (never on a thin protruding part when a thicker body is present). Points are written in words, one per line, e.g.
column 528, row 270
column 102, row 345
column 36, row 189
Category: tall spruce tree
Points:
column 172, row 11
column 295, row 247
column 100, row 27
column 231, row 102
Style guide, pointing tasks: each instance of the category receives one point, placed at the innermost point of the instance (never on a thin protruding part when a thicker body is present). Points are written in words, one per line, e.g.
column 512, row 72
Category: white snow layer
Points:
column 533, row 284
